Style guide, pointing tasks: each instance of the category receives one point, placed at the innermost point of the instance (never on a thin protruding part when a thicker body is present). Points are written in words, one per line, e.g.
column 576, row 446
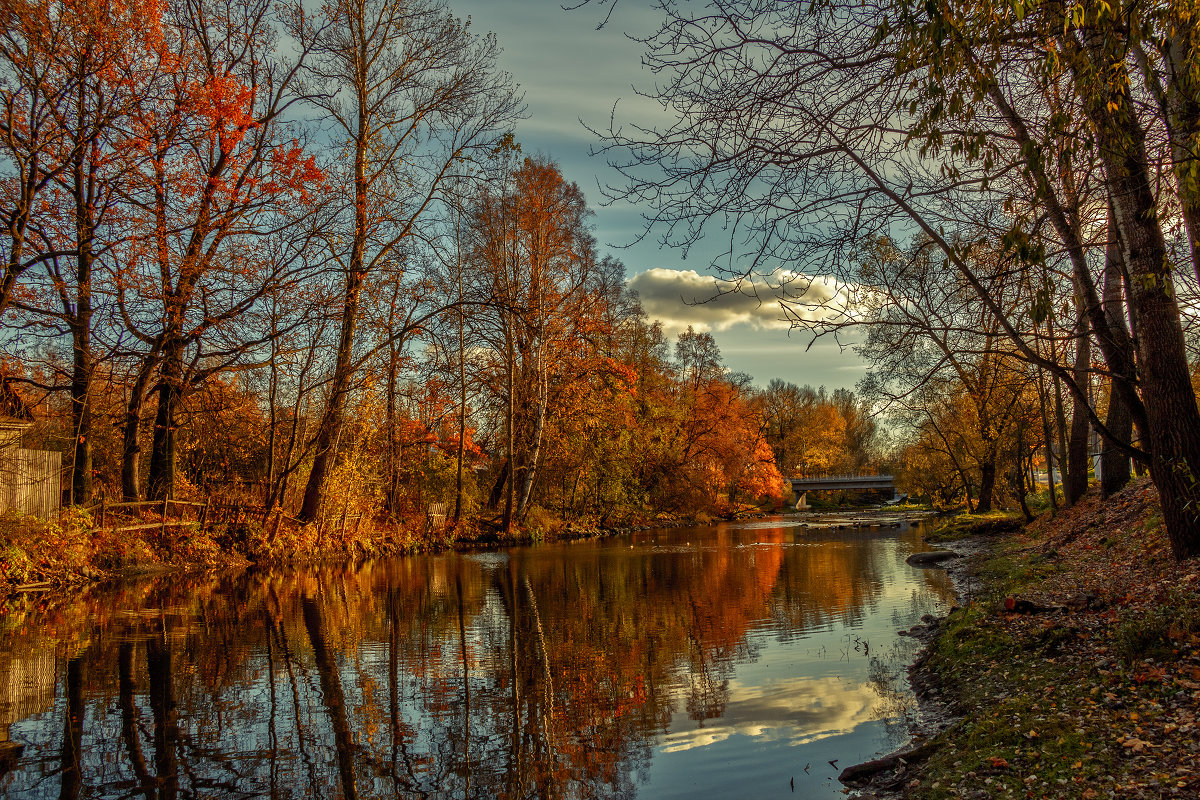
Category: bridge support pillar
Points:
column 802, row 502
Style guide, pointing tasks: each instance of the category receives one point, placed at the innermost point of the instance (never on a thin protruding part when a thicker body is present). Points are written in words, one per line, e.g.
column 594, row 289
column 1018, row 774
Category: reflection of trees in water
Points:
column 546, row 676
column 897, row 707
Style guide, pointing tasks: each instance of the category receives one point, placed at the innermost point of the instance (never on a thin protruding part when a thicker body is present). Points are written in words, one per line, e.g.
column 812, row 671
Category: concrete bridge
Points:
column 877, row 483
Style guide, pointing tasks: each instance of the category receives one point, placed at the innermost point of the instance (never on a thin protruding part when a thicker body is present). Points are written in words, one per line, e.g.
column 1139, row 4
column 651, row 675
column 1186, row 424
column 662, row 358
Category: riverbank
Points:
column 1071, row 666
column 39, row 557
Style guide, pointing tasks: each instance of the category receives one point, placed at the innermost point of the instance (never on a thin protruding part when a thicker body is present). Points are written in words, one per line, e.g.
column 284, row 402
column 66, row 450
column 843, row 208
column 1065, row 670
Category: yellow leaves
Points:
column 1135, row 745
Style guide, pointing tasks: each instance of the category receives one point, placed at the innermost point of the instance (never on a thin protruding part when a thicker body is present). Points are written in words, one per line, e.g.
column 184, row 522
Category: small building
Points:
column 30, row 480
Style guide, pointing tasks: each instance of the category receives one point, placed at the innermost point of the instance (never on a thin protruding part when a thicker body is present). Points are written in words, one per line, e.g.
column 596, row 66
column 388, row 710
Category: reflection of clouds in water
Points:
column 796, row 710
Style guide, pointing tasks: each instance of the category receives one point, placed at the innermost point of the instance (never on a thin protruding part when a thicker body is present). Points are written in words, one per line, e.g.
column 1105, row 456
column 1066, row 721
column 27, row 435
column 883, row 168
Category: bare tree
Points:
column 410, row 92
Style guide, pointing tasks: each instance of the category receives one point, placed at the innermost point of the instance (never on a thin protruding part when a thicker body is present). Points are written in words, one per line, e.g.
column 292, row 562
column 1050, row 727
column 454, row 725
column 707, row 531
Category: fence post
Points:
column 204, row 512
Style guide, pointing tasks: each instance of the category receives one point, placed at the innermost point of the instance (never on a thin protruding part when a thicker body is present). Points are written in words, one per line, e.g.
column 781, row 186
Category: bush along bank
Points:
column 87, row 546
column 1071, row 668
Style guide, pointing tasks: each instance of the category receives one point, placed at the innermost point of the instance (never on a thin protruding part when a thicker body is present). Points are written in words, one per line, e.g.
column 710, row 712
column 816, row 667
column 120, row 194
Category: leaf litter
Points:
column 1090, row 689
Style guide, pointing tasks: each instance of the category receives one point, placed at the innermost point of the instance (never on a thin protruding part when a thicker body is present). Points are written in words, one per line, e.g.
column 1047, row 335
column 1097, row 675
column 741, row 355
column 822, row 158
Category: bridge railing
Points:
column 846, row 477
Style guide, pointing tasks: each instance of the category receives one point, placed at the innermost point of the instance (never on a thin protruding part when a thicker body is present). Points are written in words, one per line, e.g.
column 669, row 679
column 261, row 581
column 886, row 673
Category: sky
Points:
column 571, row 71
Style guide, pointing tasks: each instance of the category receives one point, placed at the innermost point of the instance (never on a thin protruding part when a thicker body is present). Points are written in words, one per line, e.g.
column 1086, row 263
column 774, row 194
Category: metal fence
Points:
column 30, row 481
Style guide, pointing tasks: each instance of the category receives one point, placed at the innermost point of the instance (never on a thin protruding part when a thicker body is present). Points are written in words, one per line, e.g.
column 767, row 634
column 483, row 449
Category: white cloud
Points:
column 679, row 298
column 792, row 710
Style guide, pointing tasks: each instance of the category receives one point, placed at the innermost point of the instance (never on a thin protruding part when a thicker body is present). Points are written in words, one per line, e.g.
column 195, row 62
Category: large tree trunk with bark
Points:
column 330, row 430
column 131, row 449
column 1173, row 420
column 81, row 406
column 987, row 485
column 82, row 363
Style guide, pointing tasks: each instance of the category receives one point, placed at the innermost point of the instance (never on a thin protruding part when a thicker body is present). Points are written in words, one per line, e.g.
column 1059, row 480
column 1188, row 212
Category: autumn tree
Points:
column 218, row 192
column 73, row 79
column 410, row 92
column 720, row 442
column 813, row 432
column 546, row 285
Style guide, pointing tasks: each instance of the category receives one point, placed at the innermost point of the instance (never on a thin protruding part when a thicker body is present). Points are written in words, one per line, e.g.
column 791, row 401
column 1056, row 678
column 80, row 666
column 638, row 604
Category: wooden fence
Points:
column 163, row 514
column 30, row 481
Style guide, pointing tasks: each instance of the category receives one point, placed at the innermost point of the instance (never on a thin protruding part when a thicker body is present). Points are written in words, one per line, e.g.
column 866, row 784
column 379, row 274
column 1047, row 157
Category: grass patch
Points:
column 988, row 524
column 1019, row 734
column 1158, row 632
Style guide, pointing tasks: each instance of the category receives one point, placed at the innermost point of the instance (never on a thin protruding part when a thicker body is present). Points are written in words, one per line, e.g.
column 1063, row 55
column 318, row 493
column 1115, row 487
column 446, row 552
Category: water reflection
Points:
column 628, row 667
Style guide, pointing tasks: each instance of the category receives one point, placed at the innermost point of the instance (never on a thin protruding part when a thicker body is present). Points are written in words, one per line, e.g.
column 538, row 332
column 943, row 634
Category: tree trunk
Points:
column 163, row 456
column 333, row 419
column 1048, row 441
column 330, row 430
column 1020, row 474
column 1077, row 446
column 987, row 484
column 510, row 439
column 83, row 190
column 131, row 449
column 462, row 410
column 1060, row 418
column 269, row 498
column 81, row 378
column 1173, row 420
column 391, row 459
column 1114, row 464
column 535, row 451
column 81, row 407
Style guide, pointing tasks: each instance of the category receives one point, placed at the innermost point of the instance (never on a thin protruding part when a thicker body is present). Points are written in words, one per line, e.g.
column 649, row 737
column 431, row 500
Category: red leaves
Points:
column 227, row 105
column 293, row 172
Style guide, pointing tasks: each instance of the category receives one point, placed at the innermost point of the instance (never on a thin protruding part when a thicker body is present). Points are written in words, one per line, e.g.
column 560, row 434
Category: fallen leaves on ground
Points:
column 1097, row 693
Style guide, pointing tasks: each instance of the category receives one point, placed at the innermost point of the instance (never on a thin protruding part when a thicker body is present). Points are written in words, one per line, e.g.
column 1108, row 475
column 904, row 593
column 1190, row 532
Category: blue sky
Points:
column 570, row 71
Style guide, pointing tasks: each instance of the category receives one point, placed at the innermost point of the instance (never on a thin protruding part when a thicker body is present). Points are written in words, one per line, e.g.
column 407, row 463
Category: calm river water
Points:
column 728, row 661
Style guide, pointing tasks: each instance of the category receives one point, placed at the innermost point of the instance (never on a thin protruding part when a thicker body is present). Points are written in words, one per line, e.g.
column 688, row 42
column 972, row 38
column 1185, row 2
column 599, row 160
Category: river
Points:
column 730, row 661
